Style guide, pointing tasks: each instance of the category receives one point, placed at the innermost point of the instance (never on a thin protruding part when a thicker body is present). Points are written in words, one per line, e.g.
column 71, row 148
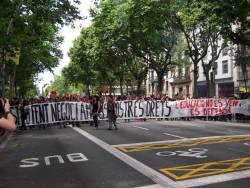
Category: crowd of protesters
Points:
column 97, row 102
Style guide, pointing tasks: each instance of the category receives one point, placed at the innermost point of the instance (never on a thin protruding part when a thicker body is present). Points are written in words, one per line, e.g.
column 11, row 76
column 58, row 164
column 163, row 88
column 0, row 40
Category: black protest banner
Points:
column 49, row 113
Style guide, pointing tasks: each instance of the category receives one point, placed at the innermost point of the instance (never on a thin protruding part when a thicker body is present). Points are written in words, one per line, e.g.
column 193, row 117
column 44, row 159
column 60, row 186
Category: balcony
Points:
column 180, row 80
column 153, row 79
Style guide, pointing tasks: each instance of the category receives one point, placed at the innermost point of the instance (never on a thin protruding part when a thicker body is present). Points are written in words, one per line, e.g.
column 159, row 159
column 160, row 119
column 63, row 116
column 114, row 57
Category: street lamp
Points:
column 43, row 89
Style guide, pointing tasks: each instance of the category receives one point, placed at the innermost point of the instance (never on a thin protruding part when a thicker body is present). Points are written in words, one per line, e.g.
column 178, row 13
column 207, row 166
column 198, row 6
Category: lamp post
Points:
column 43, row 89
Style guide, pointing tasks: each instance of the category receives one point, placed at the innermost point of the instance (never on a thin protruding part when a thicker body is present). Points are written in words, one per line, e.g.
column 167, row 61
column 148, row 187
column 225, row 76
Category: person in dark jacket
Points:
column 24, row 114
column 95, row 110
column 111, row 112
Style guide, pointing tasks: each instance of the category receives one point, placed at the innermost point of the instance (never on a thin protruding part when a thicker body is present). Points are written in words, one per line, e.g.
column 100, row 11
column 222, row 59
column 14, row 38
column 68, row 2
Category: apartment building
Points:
column 226, row 80
column 226, row 77
column 177, row 82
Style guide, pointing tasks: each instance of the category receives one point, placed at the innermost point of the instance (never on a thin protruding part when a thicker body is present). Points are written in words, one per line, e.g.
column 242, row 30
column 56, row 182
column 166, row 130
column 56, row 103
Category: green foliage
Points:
column 33, row 27
column 126, row 33
column 62, row 87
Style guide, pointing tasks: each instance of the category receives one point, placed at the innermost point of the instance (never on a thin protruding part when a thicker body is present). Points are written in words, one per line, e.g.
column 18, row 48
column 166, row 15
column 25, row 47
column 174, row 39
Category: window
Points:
column 224, row 67
column 225, row 51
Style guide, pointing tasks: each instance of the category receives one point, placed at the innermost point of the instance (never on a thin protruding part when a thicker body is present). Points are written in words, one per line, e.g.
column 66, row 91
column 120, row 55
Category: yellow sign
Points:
column 13, row 57
column 207, row 169
column 244, row 90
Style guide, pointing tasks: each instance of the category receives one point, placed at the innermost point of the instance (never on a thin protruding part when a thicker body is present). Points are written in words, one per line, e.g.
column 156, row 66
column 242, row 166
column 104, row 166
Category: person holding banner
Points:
column 24, row 114
column 111, row 112
column 7, row 120
column 96, row 105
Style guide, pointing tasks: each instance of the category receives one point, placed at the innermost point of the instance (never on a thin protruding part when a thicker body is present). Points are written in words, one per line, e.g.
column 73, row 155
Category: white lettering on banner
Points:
column 193, row 152
column 33, row 162
column 131, row 109
column 30, row 162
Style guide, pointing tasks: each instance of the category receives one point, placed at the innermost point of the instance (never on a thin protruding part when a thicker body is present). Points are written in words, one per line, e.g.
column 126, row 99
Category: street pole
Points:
column 43, row 89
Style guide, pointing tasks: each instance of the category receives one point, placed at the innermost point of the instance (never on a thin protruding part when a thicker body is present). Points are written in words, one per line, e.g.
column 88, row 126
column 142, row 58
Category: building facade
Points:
column 177, row 82
column 226, row 79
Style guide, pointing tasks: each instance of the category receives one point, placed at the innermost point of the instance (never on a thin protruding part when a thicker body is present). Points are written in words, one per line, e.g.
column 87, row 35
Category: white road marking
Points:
column 158, row 177
column 155, row 176
column 174, row 135
column 141, row 128
column 151, row 186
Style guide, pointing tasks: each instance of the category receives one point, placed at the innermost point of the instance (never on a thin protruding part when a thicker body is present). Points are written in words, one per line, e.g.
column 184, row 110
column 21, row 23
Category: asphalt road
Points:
column 149, row 154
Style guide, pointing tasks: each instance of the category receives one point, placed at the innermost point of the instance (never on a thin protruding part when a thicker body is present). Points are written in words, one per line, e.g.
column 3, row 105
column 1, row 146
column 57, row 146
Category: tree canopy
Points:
column 32, row 27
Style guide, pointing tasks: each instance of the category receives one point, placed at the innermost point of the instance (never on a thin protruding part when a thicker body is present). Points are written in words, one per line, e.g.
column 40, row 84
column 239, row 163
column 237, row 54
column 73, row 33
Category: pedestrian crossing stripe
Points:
column 206, row 169
column 183, row 143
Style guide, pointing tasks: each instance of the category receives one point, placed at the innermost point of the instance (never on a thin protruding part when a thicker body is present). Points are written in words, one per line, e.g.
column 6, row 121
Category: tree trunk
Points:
column 138, row 91
column 11, row 85
column 160, row 83
column 121, row 84
column 110, row 88
column 208, row 85
column 87, row 90
column 195, row 73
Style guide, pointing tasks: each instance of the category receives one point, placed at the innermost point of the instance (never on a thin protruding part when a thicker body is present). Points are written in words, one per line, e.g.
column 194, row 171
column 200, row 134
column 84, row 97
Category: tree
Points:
column 138, row 71
column 201, row 20
column 191, row 20
column 83, row 62
column 111, row 46
column 216, row 44
column 33, row 27
column 152, row 35
column 61, row 86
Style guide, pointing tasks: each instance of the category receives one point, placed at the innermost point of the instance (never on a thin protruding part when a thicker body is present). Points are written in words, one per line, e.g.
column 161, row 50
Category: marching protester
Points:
column 7, row 120
column 95, row 110
column 111, row 112
column 24, row 114
column 64, row 110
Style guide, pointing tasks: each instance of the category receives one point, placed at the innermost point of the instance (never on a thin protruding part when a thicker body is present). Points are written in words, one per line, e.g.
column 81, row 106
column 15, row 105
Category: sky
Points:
column 69, row 35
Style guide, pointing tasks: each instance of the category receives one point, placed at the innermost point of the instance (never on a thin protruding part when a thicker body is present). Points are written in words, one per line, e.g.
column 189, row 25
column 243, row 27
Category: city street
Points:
column 140, row 154
column 175, row 75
